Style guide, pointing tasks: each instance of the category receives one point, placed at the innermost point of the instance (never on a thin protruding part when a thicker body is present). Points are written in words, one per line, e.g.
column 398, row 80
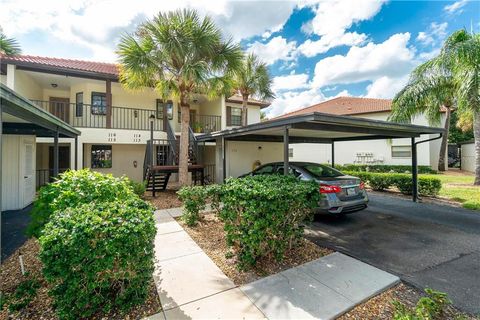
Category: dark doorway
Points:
column 60, row 107
column 63, row 158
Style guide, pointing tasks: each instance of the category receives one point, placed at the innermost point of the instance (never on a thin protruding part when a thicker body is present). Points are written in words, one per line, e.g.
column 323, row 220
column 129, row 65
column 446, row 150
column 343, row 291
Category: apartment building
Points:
column 115, row 123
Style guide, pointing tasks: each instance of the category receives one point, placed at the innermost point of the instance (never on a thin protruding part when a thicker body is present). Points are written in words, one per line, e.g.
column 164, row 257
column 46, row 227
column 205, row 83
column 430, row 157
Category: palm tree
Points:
column 462, row 50
column 252, row 79
column 8, row 46
column 179, row 54
column 430, row 91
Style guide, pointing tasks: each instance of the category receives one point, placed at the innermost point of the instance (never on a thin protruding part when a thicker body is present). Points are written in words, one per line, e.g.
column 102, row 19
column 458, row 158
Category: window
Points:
column 234, row 116
column 401, row 152
column 101, row 156
column 268, row 169
column 79, row 104
column 321, row 171
column 99, row 103
column 161, row 105
column 290, row 152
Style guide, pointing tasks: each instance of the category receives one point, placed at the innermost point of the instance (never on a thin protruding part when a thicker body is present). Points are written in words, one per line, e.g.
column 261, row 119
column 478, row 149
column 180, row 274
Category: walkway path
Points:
column 191, row 286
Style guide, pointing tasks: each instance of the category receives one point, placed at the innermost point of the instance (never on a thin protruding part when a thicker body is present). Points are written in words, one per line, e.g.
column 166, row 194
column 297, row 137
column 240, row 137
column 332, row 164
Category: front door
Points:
column 60, row 107
column 28, row 165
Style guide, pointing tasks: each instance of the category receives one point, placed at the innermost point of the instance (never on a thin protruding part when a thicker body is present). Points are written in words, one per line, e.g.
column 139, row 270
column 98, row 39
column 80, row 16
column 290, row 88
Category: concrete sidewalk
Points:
column 191, row 286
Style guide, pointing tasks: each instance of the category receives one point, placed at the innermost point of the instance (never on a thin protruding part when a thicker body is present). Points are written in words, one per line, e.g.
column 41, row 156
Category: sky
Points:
column 315, row 50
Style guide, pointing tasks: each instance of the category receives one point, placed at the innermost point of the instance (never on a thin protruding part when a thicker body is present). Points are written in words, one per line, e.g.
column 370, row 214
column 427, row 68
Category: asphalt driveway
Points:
column 427, row 245
column 14, row 223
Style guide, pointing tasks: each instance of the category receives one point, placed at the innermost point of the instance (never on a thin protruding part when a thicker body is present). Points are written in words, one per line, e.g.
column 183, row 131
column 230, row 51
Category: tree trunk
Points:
column 184, row 141
column 442, row 164
column 244, row 109
column 476, row 133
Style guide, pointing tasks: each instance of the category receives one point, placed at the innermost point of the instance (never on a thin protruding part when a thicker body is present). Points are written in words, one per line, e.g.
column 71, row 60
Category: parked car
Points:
column 341, row 193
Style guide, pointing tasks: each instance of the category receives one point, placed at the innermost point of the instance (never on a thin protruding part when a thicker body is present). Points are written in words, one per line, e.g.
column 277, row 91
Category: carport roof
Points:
column 318, row 127
column 21, row 116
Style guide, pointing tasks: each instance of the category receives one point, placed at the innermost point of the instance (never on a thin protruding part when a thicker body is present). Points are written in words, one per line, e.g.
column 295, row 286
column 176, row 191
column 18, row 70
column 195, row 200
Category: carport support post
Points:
column 414, row 172
column 76, row 152
column 333, row 154
column 55, row 154
column 224, row 159
column 285, row 151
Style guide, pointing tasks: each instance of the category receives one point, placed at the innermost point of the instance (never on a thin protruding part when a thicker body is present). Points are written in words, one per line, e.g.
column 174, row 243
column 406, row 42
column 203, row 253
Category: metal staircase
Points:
column 164, row 153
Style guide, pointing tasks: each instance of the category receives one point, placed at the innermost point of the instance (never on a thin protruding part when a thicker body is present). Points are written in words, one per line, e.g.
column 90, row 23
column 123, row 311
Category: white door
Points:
column 28, row 163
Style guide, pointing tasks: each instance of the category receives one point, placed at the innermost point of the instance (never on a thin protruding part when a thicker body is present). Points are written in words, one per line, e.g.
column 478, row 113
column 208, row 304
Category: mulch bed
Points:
column 41, row 305
column 380, row 307
column 209, row 235
column 164, row 199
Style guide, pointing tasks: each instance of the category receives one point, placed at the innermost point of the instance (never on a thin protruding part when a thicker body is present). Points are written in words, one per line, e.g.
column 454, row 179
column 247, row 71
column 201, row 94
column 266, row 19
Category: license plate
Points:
column 351, row 191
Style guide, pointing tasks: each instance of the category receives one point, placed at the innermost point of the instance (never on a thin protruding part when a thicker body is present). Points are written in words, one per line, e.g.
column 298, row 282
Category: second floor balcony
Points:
column 82, row 115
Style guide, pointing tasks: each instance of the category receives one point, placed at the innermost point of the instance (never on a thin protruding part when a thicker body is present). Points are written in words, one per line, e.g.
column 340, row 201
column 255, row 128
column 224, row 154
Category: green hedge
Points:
column 383, row 168
column 380, row 181
column 263, row 215
column 73, row 189
column 98, row 256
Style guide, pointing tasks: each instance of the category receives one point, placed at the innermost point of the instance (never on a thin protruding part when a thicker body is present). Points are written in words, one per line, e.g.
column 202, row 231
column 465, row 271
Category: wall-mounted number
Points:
column 137, row 137
column 112, row 137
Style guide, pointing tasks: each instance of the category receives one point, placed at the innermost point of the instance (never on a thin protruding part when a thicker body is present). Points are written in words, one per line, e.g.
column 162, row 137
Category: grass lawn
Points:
column 459, row 187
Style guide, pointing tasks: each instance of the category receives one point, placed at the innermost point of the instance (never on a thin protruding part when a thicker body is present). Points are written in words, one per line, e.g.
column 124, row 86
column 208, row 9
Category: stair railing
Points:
column 172, row 141
column 193, row 143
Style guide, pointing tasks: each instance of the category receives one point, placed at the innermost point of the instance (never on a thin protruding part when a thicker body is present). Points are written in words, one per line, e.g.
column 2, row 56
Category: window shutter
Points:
column 229, row 116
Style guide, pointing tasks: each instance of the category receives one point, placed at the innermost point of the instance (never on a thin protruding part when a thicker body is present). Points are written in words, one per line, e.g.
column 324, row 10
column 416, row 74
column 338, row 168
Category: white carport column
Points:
column 285, row 151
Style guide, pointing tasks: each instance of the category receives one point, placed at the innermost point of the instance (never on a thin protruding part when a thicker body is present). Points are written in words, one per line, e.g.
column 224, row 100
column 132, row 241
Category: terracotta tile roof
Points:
column 346, row 106
column 70, row 64
column 238, row 99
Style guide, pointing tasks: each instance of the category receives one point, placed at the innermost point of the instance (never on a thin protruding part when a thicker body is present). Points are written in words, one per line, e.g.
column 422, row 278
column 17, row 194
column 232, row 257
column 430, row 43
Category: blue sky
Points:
column 316, row 50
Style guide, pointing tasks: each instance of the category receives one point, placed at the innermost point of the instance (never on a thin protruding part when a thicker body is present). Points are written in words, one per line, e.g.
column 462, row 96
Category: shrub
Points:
column 427, row 186
column 98, row 256
column 383, row 168
column 73, row 189
column 137, row 187
column 427, row 308
column 263, row 215
column 379, row 182
column 194, row 200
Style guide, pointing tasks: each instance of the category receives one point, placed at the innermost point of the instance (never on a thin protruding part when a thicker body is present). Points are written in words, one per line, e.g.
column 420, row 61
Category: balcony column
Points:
column 108, row 97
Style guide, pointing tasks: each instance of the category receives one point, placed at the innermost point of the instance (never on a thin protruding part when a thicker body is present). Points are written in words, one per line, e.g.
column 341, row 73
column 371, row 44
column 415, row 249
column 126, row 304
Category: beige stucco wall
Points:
column 123, row 157
column 241, row 155
column 13, row 172
column 27, row 87
column 468, row 157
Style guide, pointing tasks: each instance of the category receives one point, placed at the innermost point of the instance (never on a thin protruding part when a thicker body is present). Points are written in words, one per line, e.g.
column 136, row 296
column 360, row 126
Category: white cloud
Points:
column 386, row 87
column 331, row 22
column 278, row 48
column 455, row 7
column 392, row 58
column 97, row 25
column 293, row 100
column 435, row 33
column 290, row 82
column 334, row 17
column 311, row 48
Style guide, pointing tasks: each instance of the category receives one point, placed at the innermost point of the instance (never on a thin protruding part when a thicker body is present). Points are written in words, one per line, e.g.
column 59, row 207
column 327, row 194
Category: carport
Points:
column 325, row 129
column 19, row 116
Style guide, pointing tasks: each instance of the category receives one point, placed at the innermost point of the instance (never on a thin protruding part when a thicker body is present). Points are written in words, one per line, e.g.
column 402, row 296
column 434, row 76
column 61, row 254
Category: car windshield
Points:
column 321, row 171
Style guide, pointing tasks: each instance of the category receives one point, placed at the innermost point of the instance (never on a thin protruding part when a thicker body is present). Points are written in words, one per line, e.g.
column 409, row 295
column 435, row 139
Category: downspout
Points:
column 415, row 165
